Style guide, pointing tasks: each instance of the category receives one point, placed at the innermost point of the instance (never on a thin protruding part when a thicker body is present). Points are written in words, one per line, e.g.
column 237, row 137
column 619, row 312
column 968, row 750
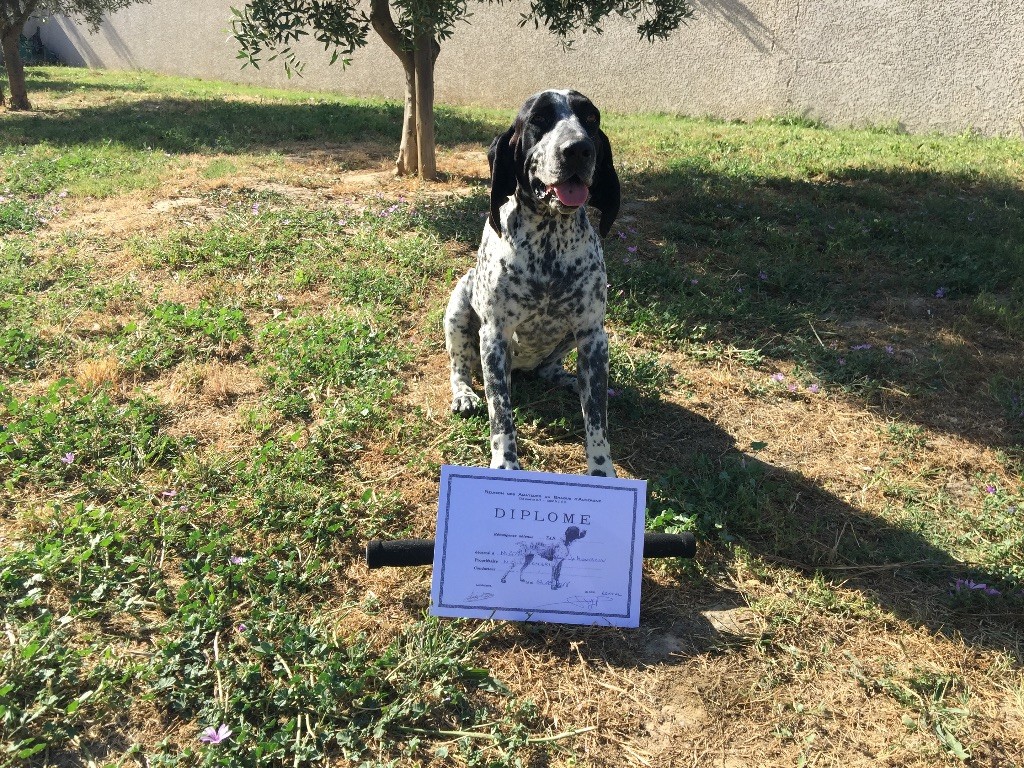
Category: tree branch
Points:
column 384, row 25
column 11, row 15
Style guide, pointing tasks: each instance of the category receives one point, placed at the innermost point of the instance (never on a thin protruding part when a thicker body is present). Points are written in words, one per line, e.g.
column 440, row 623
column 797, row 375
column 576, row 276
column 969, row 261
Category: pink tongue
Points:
column 572, row 193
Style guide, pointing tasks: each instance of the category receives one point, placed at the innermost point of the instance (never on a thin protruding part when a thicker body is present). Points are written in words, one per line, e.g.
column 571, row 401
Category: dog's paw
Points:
column 511, row 465
column 466, row 405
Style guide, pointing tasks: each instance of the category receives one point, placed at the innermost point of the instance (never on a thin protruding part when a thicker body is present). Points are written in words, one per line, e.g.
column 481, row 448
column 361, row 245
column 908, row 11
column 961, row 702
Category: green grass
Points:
column 181, row 551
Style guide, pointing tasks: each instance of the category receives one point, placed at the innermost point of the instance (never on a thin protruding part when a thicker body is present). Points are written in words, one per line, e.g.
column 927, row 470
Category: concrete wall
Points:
column 929, row 65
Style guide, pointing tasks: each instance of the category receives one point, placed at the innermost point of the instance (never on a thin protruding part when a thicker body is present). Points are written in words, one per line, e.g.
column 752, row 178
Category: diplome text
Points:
column 534, row 515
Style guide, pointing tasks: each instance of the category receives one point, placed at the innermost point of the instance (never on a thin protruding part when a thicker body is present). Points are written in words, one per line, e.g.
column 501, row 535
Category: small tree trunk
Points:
column 382, row 21
column 408, row 154
column 423, row 56
column 416, row 153
column 15, row 69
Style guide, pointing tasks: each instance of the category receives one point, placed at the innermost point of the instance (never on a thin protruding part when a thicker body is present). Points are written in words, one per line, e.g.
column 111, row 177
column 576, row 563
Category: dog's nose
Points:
column 578, row 152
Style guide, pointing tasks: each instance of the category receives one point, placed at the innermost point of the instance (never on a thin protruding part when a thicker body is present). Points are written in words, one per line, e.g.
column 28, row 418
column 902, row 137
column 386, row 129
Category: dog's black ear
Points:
column 501, row 159
column 572, row 533
column 604, row 192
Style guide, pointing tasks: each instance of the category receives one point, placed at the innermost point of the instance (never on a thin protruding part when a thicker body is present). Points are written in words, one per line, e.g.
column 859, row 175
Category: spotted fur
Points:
column 539, row 287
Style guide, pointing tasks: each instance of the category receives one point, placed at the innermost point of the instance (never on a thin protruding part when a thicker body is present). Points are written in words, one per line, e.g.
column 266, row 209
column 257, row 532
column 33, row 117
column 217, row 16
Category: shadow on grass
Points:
column 47, row 79
column 697, row 476
column 905, row 289
column 243, row 123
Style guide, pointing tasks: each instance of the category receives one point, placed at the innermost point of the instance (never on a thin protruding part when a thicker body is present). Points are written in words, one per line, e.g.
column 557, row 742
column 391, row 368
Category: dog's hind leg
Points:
column 552, row 368
column 462, row 340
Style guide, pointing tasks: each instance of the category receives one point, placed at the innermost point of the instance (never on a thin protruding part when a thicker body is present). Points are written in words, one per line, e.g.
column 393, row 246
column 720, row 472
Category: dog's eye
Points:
column 540, row 120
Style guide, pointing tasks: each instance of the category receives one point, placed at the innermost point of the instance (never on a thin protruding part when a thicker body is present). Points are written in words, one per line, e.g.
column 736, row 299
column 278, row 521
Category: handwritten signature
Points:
column 588, row 602
column 475, row 598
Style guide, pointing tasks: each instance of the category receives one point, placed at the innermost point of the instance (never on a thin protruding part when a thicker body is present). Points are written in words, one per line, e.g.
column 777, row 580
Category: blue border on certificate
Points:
column 506, row 476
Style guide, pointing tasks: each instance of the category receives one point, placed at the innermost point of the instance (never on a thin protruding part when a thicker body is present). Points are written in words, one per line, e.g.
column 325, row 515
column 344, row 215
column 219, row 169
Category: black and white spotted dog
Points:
column 539, row 287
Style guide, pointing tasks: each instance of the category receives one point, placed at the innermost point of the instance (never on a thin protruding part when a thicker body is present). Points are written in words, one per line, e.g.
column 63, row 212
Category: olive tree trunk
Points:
column 423, row 64
column 416, row 153
column 15, row 68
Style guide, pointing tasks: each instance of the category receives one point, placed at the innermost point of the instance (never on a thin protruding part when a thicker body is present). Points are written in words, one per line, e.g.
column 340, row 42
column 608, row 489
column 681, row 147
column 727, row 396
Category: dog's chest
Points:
column 543, row 278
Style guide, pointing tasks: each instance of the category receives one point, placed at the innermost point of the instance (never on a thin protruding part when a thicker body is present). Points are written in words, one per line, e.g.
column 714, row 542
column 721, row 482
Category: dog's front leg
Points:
column 592, row 376
column 496, row 361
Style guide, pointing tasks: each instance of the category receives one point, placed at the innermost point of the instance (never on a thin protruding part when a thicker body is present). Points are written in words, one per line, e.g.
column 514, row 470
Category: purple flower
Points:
column 255, row 208
column 613, row 392
column 860, row 347
column 841, row 361
column 236, row 560
column 631, row 248
column 170, row 493
column 888, row 349
column 940, row 293
column 694, row 281
column 622, row 235
column 990, row 489
column 791, row 387
column 814, row 389
column 777, row 377
column 762, row 275
column 966, row 585
column 68, row 458
column 215, row 735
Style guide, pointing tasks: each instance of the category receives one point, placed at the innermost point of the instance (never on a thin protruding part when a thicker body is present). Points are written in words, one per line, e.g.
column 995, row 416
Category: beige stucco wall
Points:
column 929, row 65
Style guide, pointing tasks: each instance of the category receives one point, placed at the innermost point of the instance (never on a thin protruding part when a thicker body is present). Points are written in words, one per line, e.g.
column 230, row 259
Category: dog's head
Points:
column 557, row 157
column 572, row 533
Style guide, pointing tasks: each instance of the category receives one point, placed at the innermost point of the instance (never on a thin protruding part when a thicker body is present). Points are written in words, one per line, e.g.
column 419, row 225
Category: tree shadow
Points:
column 732, row 498
column 45, row 79
column 739, row 16
column 903, row 289
column 244, row 123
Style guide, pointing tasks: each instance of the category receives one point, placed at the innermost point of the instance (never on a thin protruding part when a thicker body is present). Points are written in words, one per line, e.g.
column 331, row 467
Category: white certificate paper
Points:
column 535, row 546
